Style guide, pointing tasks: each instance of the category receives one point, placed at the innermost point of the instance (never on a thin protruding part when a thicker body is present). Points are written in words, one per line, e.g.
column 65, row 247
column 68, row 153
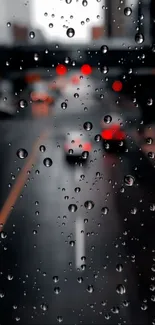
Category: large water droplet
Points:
column 84, row 3
column 80, row 279
column 63, row 105
column 22, row 153
column 104, row 49
column 60, row 319
column 72, row 208
column 119, row 267
column 32, row 35
column 48, row 162
column 36, row 57
column 107, row 119
column 10, row 277
column 105, row 210
column 57, row 290
column 121, row 289
column 90, row 288
column 129, row 180
column 42, row 148
column 55, row 278
column 88, row 126
column 150, row 102
column 127, row 11
column 44, row 307
column 139, row 38
column 70, row 32
column 22, row 103
column 104, row 69
column 89, row 205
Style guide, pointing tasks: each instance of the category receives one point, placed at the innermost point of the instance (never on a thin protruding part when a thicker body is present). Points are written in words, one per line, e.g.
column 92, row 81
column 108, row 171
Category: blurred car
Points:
column 7, row 100
column 77, row 146
column 113, row 133
column 41, row 93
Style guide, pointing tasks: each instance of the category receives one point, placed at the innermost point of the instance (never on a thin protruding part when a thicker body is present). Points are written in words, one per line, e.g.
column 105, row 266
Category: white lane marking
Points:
column 80, row 242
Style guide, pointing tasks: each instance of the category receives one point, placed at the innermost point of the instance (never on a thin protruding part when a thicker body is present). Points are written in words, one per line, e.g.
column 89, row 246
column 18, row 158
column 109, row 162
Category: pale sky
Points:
column 61, row 8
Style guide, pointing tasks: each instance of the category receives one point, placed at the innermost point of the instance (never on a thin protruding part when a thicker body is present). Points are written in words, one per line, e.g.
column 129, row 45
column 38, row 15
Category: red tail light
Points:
column 114, row 133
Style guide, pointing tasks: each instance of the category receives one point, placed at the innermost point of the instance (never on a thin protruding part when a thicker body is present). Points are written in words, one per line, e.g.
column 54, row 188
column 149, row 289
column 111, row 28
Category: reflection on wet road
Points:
column 74, row 239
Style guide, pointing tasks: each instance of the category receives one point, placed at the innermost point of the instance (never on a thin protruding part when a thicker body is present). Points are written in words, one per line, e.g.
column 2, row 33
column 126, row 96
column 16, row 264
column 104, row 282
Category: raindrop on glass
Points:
column 107, row 119
column 104, row 49
column 64, row 105
column 32, row 35
column 70, row 32
column 22, row 153
column 88, row 126
column 121, row 289
column 129, row 180
column 42, row 148
column 44, row 307
column 72, row 208
column 48, row 162
column 139, row 38
column 127, row 11
column 89, row 205
column 119, row 267
column 90, row 288
column 22, row 103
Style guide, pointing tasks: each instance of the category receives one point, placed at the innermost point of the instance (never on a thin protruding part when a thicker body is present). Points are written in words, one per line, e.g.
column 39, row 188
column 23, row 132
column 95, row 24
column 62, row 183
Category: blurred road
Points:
column 74, row 239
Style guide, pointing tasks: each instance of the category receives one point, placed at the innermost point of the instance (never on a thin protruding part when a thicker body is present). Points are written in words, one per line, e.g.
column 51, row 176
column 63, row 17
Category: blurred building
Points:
column 114, row 18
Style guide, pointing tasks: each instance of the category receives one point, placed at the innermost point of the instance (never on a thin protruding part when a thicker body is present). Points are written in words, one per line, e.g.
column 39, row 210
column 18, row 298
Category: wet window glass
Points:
column 77, row 190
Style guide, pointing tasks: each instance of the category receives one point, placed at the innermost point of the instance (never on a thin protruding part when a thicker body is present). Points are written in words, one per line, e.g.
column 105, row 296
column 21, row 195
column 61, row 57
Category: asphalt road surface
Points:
column 77, row 242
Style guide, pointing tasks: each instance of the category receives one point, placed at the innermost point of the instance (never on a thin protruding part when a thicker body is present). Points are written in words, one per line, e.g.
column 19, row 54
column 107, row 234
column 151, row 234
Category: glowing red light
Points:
column 119, row 135
column 75, row 80
column 117, row 86
column 87, row 147
column 107, row 134
column 61, row 69
column 86, row 69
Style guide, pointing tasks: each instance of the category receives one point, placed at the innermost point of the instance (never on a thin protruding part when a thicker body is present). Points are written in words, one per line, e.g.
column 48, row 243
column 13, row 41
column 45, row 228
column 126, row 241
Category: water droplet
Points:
column 150, row 102
column 90, row 288
column 139, row 38
column 22, row 103
column 3, row 235
column 88, row 126
column 32, row 35
column 152, row 207
column 60, row 319
column 70, row 32
column 119, row 267
column 68, row 1
column 89, row 205
column 121, row 289
column 10, row 277
column 80, row 279
column 8, row 24
column 36, row 57
column 76, row 95
column 115, row 310
column 48, row 162
column 149, row 140
column 57, row 290
column 84, row 3
column 97, row 137
column 77, row 189
column 55, row 279
column 127, row 11
column 85, row 154
column 44, row 307
column 1, row 294
column 50, row 25
column 72, row 207
column 63, row 105
column 104, row 69
column 133, row 210
column 107, row 119
column 72, row 243
column 42, row 148
column 105, row 210
column 104, row 49
column 144, row 307
column 22, row 153
column 129, row 180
